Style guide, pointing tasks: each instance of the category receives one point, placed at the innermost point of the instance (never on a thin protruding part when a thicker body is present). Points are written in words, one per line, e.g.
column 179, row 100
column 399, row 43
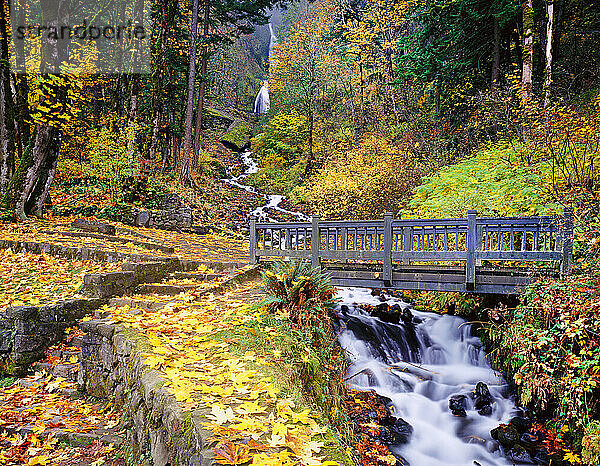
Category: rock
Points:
column 96, row 227
column 237, row 137
column 483, row 399
column 521, row 424
column 519, row 455
column 406, row 316
column 142, row 219
column 541, row 457
column 398, row 433
column 458, row 405
column 528, row 440
column 401, row 461
column 384, row 313
column 485, row 411
column 506, row 435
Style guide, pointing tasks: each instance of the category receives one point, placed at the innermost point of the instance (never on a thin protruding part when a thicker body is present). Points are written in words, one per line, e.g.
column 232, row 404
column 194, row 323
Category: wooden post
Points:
column 387, row 249
column 253, row 258
column 344, row 243
column 470, row 248
column 567, row 242
column 407, row 244
column 315, row 242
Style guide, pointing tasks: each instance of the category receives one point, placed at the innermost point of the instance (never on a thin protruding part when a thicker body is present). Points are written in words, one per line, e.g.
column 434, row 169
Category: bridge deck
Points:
column 481, row 255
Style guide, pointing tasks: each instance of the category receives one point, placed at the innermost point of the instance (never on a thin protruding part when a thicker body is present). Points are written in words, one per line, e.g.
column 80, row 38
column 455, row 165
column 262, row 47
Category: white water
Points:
column 446, row 361
column 262, row 103
column 273, row 201
column 272, row 43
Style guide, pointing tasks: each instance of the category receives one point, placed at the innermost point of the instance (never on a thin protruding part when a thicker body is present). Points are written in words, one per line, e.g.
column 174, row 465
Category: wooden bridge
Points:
column 474, row 254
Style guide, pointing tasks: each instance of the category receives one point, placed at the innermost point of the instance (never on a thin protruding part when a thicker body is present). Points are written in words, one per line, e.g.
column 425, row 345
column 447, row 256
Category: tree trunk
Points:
column 185, row 176
column 548, row 69
column 132, row 119
column 28, row 189
column 7, row 136
column 202, row 91
column 311, row 156
column 527, row 75
column 496, row 62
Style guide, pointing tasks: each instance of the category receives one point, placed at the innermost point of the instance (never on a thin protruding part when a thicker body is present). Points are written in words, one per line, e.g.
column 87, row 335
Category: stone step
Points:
column 164, row 289
column 130, row 302
column 66, row 371
column 71, row 393
column 77, row 342
column 196, row 276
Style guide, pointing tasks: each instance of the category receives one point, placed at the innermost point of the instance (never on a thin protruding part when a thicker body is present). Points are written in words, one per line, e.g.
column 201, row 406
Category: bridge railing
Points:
column 408, row 241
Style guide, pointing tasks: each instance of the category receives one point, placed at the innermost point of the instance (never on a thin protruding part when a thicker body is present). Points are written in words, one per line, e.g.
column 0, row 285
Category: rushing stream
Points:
column 420, row 364
column 273, row 201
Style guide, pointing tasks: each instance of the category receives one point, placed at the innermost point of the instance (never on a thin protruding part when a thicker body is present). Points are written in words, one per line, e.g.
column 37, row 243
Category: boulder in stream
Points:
column 483, row 399
column 458, row 405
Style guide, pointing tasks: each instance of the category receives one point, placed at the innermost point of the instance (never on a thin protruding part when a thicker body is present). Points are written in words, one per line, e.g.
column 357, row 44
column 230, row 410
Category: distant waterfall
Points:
column 272, row 42
column 263, row 101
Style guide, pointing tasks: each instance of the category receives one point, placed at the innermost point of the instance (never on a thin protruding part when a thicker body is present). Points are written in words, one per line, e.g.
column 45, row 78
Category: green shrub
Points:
column 305, row 297
column 364, row 182
column 109, row 158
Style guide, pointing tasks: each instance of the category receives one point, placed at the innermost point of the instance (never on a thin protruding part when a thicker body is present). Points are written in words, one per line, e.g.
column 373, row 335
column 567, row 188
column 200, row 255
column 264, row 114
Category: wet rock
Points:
column 541, row 457
column 383, row 298
column 406, row 316
column 398, row 432
column 401, row 461
column 521, row 424
column 375, row 292
column 458, row 405
column 483, row 399
column 508, row 436
column 519, row 455
column 384, row 313
column 528, row 440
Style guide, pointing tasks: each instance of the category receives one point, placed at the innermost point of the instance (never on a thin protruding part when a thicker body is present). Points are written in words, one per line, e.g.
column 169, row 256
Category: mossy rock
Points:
column 215, row 120
column 238, row 136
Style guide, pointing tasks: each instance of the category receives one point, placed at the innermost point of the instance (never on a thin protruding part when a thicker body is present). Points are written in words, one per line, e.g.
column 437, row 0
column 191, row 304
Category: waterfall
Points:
column 424, row 362
column 262, row 103
column 272, row 41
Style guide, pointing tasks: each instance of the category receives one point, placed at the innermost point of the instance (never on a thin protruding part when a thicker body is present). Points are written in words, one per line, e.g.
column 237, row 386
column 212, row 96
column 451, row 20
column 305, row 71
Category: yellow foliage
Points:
column 363, row 183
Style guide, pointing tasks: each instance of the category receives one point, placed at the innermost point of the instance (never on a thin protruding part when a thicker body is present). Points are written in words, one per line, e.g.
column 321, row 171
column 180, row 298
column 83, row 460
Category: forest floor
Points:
column 206, row 346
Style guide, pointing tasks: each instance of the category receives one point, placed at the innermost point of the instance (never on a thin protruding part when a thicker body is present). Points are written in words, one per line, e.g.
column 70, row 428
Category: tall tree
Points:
column 549, row 34
column 29, row 187
column 186, row 176
column 7, row 121
column 527, row 73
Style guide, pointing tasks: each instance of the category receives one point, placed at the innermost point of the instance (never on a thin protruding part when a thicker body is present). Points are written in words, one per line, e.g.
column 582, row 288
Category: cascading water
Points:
column 272, row 43
column 420, row 362
column 273, row 201
column 262, row 103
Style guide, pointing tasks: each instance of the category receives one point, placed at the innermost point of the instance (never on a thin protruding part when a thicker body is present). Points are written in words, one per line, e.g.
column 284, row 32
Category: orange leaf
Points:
column 228, row 453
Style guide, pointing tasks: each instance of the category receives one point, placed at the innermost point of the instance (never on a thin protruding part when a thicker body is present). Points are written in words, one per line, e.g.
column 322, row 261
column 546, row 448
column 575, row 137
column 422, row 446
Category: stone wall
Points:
column 27, row 331
column 112, row 366
column 178, row 219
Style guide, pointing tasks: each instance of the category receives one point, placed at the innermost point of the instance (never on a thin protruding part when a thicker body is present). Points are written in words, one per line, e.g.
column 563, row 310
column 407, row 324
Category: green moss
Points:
column 238, row 138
